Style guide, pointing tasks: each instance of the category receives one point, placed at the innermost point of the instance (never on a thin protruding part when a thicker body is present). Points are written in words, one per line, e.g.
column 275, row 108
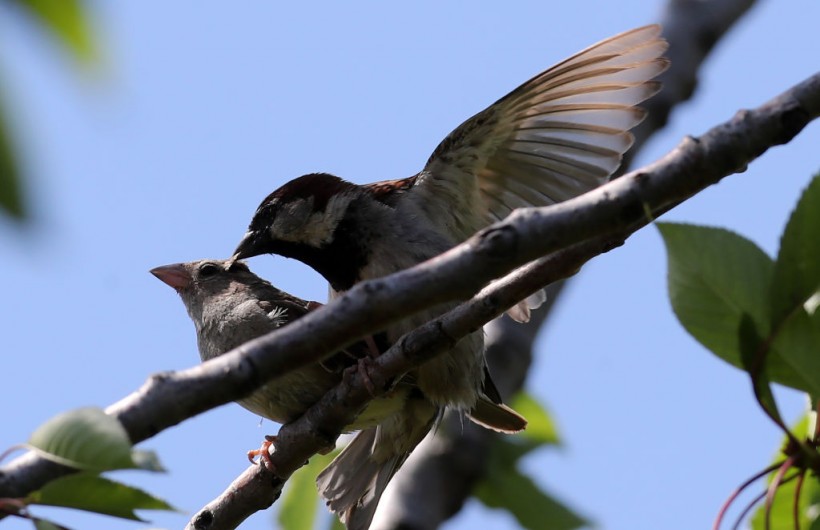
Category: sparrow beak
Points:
column 247, row 247
column 174, row 275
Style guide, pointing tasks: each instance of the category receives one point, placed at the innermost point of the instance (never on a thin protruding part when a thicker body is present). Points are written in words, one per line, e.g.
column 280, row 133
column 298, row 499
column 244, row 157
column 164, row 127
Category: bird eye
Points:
column 208, row 269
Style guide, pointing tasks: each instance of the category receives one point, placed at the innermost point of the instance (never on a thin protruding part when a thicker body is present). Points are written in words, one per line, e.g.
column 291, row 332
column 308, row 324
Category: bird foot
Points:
column 362, row 367
column 264, row 453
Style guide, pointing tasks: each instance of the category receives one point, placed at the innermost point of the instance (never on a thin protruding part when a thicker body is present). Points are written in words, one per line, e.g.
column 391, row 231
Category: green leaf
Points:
column 715, row 278
column 508, row 489
column 336, row 524
column 797, row 269
column 10, row 190
column 147, row 460
column 300, row 503
column 88, row 438
column 798, row 343
column 750, row 352
column 67, row 21
column 540, row 427
column 93, row 493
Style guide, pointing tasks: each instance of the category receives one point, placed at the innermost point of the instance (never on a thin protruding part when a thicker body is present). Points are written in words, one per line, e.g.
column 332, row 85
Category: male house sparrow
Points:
column 557, row 136
column 230, row 305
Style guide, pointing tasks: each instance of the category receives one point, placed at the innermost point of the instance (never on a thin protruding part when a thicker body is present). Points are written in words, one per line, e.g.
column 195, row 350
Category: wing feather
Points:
column 558, row 135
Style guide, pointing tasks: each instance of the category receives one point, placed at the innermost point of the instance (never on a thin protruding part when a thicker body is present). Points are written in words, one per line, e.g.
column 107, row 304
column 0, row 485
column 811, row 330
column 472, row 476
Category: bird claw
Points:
column 362, row 367
column 264, row 453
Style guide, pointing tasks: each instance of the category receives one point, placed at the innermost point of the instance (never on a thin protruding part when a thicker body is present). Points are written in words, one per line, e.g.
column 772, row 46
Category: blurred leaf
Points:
column 811, row 423
column 45, row 524
column 715, row 278
column 88, row 438
column 782, row 516
column 508, row 489
column 10, row 190
column 336, row 524
column 67, row 21
column 93, row 493
column 147, row 460
column 540, row 427
column 300, row 503
column 797, row 269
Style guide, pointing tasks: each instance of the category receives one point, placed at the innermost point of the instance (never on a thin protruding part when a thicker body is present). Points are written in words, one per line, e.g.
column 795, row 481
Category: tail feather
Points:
column 490, row 411
column 354, row 482
column 496, row 416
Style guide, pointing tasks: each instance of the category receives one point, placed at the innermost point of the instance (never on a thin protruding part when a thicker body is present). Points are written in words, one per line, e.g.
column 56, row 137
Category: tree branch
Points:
column 607, row 214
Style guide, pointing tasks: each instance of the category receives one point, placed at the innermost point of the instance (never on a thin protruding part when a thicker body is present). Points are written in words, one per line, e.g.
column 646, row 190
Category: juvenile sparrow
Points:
column 557, row 136
column 230, row 305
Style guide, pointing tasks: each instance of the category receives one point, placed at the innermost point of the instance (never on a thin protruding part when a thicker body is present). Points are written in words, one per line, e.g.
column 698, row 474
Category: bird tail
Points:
column 490, row 411
column 354, row 482
column 497, row 417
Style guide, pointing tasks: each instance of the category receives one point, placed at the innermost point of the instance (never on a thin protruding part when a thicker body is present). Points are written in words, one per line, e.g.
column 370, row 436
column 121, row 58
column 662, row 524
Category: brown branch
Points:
column 618, row 207
column 253, row 490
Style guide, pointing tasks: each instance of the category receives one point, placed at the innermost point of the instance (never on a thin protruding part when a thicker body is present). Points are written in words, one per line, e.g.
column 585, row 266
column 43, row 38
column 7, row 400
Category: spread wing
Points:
column 557, row 136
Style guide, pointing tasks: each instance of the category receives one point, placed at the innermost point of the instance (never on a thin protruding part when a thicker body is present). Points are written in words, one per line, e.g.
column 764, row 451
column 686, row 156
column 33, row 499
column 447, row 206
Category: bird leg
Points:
column 372, row 349
column 264, row 453
column 362, row 367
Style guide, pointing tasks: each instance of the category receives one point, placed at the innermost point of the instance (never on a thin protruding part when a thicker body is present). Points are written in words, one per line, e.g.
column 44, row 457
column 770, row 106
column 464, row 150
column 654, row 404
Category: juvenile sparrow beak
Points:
column 173, row 275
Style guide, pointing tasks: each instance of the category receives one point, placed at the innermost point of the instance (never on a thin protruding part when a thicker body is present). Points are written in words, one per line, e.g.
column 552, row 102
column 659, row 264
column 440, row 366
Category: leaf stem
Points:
column 7, row 452
column 747, row 509
column 725, row 507
column 796, row 507
column 776, row 483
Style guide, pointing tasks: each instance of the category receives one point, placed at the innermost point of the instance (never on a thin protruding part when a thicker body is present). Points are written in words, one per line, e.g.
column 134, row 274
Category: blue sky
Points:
column 204, row 108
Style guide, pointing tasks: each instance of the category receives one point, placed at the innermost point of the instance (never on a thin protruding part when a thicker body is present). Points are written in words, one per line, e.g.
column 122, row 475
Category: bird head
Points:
column 304, row 212
column 197, row 282
column 213, row 274
column 304, row 220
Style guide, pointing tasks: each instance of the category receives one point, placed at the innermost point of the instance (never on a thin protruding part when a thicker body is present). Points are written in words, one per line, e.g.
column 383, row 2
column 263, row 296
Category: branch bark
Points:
column 608, row 214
